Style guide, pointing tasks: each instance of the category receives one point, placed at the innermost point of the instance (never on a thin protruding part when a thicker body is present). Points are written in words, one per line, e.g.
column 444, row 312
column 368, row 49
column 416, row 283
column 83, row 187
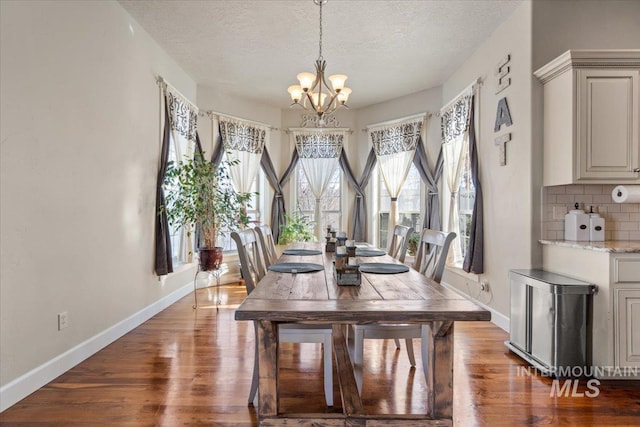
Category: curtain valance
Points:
column 183, row 115
column 238, row 135
column 396, row 137
column 454, row 117
column 316, row 145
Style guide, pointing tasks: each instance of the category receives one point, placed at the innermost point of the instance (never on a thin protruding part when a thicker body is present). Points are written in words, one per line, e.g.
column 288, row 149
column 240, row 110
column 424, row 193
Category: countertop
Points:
column 617, row 246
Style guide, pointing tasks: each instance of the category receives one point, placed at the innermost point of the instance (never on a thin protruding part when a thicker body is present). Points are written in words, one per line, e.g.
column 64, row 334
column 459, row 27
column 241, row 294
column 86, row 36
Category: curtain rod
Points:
column 290, row 130
column 211, row 114
column 473, row 86
column 163, row 83
column 389, row 122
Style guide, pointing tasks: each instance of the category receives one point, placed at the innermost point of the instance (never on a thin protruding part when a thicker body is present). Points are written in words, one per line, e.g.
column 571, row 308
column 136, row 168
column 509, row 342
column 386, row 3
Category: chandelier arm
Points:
column 333, row 104
column 310, row 99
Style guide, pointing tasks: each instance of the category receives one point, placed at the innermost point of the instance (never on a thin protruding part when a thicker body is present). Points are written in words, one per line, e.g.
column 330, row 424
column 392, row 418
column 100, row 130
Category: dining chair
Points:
column 431, row 257
column 253, row 270
column 265, row 235
column 398, row 250
column 399, row 240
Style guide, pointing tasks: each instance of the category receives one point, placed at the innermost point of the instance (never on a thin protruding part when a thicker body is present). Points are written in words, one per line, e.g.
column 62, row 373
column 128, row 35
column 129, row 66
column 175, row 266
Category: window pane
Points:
column 330, row 204
column 177, row 150
column 409, row 200
column 409, row 205
column 253, row 211
column 466, row 199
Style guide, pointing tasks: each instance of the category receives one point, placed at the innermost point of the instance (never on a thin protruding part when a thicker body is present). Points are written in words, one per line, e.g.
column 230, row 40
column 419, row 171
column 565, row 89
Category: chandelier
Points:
column 313, row 92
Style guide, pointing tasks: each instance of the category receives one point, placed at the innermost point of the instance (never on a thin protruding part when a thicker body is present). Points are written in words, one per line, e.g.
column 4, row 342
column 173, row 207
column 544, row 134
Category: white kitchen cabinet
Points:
column 625, row 272
column 592, row 117
column 615, row 324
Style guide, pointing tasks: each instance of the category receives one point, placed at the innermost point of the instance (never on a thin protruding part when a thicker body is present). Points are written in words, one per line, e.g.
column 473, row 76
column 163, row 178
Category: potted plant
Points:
column 412, row 243
column 297, row 228
column 197, row 193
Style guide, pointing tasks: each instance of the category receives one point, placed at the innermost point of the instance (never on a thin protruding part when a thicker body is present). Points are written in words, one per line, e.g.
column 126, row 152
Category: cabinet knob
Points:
column 636, row 170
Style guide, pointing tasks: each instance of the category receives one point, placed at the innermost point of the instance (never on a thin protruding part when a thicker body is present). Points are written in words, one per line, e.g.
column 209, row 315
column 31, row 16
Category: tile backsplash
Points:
column 622, row 220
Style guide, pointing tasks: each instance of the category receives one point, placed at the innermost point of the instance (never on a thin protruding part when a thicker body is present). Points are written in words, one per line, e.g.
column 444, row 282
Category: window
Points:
column 409, row 205
column 330, row 204
column 180, row 247
column 254, row 211
column 466, row 199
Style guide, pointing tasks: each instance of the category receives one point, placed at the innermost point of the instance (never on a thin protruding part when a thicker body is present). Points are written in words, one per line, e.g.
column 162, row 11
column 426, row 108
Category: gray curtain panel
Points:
column 198, row 157
column 432, row 218
column 277, row 206
column 218, row 150
column 359, row 225
column 474, row 259
column 163, row 262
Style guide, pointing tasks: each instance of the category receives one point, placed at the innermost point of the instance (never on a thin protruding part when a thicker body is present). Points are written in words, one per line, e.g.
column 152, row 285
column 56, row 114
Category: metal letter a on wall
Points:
column 503, row 117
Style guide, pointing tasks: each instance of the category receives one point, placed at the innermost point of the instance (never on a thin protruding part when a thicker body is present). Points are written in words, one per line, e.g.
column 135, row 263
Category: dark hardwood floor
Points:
column 193, row 367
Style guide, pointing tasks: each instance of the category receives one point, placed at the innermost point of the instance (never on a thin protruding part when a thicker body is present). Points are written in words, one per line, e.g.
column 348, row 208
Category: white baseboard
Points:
column 26, row 384
column 497, row 318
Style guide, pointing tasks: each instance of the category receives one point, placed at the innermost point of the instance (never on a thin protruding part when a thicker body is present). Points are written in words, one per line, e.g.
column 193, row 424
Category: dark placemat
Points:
column 369, row 252
column 299, row 267
column 302, row 252
column 383, row 268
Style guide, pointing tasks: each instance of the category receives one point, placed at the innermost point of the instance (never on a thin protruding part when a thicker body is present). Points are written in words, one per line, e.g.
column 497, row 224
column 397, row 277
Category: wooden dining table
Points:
column 316, row 298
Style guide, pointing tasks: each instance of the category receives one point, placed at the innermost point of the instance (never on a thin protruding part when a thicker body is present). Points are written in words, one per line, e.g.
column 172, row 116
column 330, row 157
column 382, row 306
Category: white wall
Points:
column 560, row 25
column 80, row 147
column 511, row 201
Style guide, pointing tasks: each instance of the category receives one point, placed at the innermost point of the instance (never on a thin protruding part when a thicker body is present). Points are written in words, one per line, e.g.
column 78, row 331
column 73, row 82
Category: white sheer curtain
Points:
column 454, row 121
column 395, row 145
column 319, row 152
column 183, row 118
column 243, row 141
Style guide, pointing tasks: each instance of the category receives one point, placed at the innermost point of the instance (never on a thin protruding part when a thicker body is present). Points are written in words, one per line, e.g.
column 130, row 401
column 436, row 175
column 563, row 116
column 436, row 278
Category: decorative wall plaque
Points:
column 502, row 72
column 313, row 121
column 501, row 142
column 503, row 116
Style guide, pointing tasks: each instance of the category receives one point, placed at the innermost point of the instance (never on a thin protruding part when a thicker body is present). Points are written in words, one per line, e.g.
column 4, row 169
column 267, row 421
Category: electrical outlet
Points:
column 63, row 320
column 484, row 286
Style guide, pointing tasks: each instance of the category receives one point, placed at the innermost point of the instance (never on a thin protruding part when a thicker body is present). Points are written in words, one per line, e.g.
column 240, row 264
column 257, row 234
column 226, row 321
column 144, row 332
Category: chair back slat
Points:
column 431, row 256
column 250, row 256
column 399, row 240
column 268, row 244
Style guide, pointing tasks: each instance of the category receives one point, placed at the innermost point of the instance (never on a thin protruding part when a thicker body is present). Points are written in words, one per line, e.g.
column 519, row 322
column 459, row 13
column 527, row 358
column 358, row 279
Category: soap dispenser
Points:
column 596, row 226
column 576, row 225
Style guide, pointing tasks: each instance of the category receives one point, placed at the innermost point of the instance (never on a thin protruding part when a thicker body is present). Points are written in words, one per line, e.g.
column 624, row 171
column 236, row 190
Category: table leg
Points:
column 439, row 339
column 268, row 405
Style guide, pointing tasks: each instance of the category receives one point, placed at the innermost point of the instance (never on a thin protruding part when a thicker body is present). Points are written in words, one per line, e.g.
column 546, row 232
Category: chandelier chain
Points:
column 320, row 42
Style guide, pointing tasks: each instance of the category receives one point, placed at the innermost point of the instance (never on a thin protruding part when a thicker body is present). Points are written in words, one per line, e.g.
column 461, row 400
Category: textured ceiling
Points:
column 255, row 48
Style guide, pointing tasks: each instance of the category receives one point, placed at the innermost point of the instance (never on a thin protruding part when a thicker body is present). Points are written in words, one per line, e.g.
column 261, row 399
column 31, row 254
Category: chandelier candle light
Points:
column 313, row 90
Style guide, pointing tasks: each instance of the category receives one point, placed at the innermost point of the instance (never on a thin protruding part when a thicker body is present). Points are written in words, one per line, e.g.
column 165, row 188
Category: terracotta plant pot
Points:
column 210, row 258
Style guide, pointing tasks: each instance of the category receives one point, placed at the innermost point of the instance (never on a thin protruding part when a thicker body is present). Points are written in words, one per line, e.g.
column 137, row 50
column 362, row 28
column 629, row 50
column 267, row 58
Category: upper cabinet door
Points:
column 608, row 112
column 591, row 117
